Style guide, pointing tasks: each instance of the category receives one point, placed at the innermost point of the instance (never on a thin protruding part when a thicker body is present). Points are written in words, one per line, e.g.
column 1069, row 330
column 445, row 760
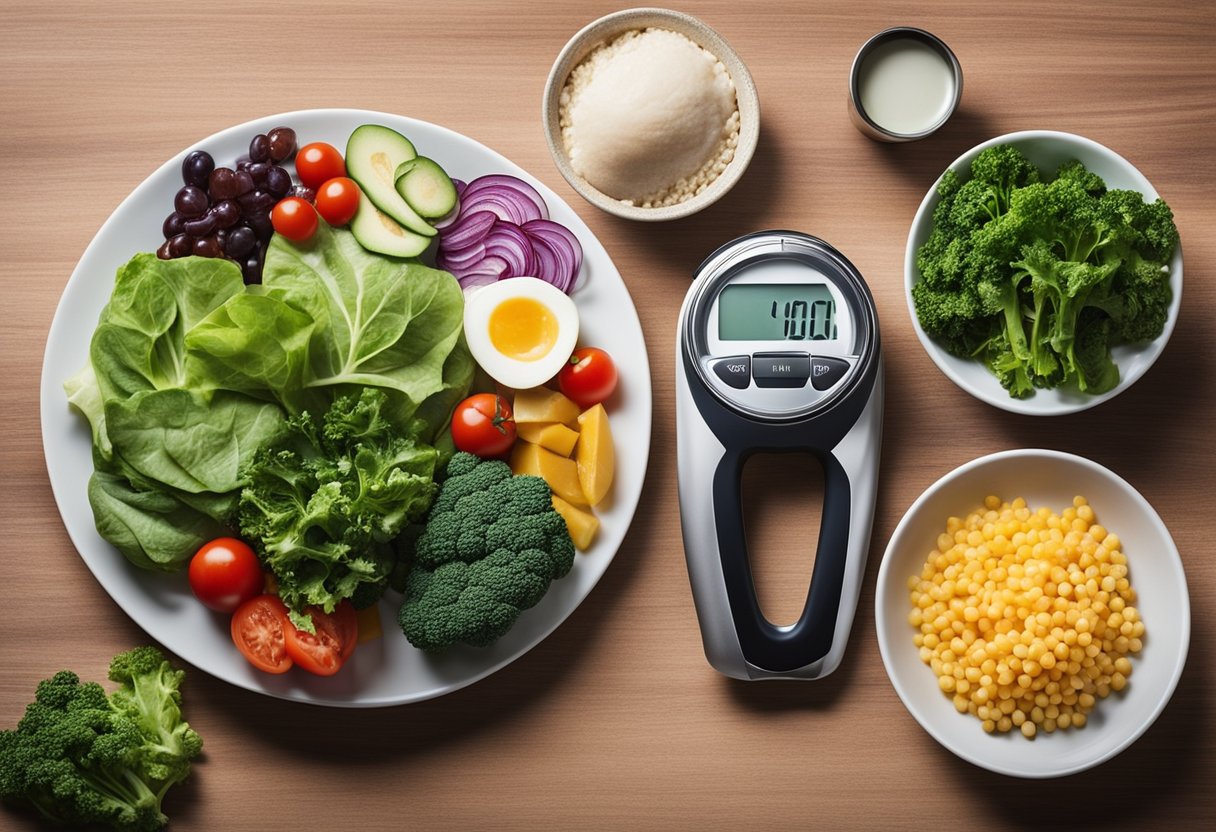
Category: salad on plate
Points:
column 349, row 383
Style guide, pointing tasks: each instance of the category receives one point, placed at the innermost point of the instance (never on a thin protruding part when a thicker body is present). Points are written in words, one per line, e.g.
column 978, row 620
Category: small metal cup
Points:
column 857, row 113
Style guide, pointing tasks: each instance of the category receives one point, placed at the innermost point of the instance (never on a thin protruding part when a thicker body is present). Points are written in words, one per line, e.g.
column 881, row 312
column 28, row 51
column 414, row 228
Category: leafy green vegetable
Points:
column 491, row 547
column 190, row 373
column 1039, row 279
column 81, row 757
column 323, row 502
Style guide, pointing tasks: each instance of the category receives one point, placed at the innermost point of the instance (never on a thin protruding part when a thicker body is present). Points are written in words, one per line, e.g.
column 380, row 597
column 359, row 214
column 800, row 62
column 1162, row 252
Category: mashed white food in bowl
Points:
column 649, row 118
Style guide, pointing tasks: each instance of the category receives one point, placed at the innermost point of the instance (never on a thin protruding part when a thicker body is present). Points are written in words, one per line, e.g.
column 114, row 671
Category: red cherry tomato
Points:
column 325, row 651
column 294, row 218
column 225, row 573
column 259, row 631
column 589, row 377
column 484, row 425
column 338, row 200
column 318, row 162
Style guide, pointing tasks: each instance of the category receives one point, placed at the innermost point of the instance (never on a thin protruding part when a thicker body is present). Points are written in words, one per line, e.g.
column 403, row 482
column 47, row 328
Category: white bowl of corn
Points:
column 1032, row 613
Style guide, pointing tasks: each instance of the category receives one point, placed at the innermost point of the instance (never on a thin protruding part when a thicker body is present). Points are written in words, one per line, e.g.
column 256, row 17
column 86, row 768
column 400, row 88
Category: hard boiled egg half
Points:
column 521, row 330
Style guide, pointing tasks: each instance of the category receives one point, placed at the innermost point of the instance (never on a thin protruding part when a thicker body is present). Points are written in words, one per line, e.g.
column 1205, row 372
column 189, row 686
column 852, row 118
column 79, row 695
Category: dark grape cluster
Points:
column 225, row 212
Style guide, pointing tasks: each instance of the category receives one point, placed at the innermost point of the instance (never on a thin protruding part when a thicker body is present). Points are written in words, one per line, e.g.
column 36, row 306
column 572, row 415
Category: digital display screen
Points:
column 776, row 312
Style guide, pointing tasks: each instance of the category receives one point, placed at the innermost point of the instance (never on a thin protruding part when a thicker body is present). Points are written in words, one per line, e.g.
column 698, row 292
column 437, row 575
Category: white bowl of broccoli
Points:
column 1039, row 285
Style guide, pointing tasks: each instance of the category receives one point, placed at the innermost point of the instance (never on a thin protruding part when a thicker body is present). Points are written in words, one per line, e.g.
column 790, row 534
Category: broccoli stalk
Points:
column 490, row 549
column 81, row 757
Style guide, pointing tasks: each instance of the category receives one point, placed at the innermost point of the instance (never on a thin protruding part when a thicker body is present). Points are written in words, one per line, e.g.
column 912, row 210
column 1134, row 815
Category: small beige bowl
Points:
column 605, row 29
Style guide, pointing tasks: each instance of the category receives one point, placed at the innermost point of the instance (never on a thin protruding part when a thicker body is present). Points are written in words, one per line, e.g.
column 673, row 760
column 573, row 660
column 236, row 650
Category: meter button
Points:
column 735, row 370
column 826, row 371
column 781, row 369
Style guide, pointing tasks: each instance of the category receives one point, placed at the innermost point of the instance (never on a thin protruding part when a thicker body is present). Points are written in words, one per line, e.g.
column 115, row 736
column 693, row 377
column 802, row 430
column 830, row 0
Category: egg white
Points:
column 508, row 371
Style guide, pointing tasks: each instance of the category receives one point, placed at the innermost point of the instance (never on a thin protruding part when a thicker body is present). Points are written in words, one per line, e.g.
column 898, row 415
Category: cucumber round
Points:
column 373, row 154
column 378, row 232
column 425, row 187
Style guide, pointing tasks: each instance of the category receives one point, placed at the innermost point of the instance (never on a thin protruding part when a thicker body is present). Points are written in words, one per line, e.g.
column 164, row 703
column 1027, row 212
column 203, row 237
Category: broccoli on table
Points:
column 491, row 547
column 81, row 757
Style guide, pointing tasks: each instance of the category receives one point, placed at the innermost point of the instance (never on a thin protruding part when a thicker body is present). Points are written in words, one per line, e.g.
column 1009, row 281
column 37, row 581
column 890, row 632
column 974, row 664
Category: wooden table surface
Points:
column 616, row 721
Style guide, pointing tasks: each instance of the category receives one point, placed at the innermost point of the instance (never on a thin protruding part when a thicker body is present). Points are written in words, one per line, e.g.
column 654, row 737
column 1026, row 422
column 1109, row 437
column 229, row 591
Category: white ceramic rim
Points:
column 1001, row 399
column 886, row 649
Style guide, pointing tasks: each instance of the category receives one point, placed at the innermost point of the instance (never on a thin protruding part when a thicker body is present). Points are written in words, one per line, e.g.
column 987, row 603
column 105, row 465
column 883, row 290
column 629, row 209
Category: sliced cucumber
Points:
column 376, row 231
column 426, row 187
column 373, row 154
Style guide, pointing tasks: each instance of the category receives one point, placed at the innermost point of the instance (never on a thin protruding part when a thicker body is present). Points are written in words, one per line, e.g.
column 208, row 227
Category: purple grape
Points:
column 196, row 167
column 191, row 201
column 261, row 225
column 259, row 148
column 244, row 182
column 181, row 245
column 282, row 143
column 258, row 171
column 223, row 184
column 163, row 252
column 255, row 202
column 201, row 227
column 226, row 213
column 252, row 268
column 208, row 247
column 304, row 193
column 278, row 181
column 173, row 225
column 241, row 240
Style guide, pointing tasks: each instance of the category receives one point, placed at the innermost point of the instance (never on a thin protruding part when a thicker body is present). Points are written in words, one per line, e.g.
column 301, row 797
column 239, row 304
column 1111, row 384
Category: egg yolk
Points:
column 523, row 329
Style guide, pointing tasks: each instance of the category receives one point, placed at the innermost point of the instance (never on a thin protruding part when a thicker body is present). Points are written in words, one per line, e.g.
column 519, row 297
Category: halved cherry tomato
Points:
column 317, row 162
column 325, row 651
column 483, row 425
column 338, row 200
column 259, row 631
column 294, row 218
column 588, row 378
column 225, row 573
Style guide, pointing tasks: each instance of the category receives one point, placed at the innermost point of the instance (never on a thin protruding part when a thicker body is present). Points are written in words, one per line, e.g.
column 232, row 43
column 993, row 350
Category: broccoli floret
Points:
column 81, row 757
column 490, row 549
column 1002, row 169
column 1017, row 272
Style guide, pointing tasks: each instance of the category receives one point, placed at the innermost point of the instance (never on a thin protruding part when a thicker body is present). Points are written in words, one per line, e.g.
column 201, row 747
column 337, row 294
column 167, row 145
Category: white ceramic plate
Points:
column 1051, row 479
column 1047, row 149
column 386, row 671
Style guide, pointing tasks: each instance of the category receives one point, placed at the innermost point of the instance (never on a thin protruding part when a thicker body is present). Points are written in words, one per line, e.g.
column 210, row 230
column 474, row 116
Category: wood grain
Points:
column 616, row 721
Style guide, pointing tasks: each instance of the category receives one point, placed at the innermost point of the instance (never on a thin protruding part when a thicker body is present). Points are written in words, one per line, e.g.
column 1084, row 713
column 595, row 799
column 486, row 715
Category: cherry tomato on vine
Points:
column 318, row 162
column 225, row 573
column 588, row 378
column 259, row 631
column 338, row 200
column 325, row 651
column 294, row 218
column 484, row 425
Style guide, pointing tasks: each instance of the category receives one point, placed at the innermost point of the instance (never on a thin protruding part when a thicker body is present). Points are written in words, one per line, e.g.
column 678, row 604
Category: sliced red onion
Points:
column 460, row 186
column 476, row 281
column 462, row 258
column 500, row 182
column 549, row 267
column 563, row 271
column 493, row 266
column 507, row 204
column 513, row 246
column 469, row 229
column 553, row 231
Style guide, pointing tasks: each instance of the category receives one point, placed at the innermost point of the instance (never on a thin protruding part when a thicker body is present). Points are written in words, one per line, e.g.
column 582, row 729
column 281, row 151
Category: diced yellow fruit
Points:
column 560, row 473
column 557, row 438
column 582, row 525
column 540, row 404
column 369, row 623
column 595, row 456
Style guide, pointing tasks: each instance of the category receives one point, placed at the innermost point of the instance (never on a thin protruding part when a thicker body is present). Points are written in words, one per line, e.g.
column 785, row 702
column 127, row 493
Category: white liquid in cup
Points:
column 906, row 86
